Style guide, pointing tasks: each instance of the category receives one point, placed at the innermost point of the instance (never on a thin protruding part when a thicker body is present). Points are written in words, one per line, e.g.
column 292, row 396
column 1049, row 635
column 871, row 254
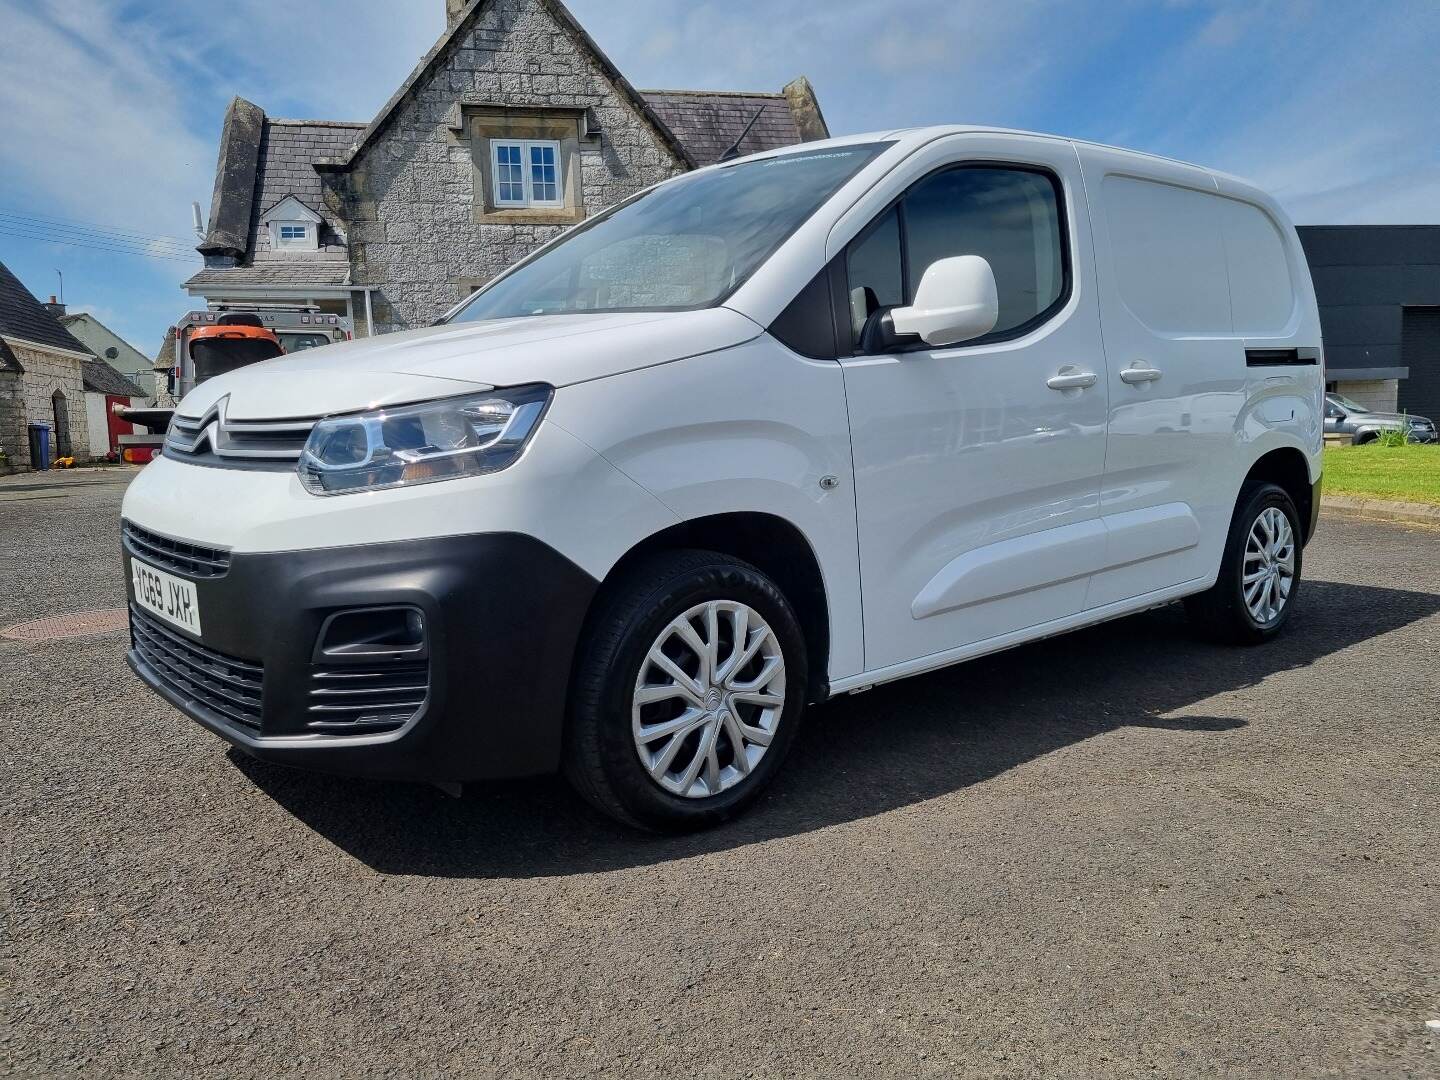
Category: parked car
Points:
column 771, row 432
column 1346, row 417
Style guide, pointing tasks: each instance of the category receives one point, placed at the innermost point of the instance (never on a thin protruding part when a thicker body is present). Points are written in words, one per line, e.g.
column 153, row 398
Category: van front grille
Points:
column 181, row 556
column 222, row 684
column 214, row 439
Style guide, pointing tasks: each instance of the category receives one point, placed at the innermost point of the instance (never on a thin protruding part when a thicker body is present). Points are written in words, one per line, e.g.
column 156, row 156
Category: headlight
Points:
column 420, row 444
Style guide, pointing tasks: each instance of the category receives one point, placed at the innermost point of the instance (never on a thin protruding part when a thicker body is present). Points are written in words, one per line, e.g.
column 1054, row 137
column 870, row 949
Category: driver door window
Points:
column 1009, row 216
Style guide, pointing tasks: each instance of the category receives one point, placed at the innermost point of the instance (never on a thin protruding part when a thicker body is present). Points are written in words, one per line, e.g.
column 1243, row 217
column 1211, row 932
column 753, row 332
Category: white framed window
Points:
column 527, row 173
column 293, row 236
column 293, row 225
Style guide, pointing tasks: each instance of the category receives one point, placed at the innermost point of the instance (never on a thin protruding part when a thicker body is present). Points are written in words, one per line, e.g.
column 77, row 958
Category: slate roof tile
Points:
column 709, row 122
column 23, row 316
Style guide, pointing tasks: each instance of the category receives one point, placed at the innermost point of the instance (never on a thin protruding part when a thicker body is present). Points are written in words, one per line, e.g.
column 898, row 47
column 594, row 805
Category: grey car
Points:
column 1346, row 417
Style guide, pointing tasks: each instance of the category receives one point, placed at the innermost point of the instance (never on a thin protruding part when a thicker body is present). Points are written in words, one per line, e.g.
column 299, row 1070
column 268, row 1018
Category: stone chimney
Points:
column 453, row 10
column 54, row 307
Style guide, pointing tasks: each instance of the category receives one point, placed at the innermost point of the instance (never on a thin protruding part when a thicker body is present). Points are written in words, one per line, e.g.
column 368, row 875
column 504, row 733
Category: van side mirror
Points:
column 956, row 302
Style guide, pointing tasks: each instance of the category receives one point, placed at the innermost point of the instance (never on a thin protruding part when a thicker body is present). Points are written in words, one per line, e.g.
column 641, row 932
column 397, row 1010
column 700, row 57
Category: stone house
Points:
column 512, row 128
column 42, row 376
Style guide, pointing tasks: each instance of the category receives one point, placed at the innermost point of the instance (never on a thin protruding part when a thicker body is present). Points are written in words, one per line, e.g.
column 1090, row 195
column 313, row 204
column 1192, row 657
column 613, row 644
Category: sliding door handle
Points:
column 1139, row 372
column 1071, row 378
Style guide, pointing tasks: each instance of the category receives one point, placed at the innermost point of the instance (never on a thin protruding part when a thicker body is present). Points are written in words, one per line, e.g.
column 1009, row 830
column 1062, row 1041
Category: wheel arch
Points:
column 1288, row 468
column 772, row 544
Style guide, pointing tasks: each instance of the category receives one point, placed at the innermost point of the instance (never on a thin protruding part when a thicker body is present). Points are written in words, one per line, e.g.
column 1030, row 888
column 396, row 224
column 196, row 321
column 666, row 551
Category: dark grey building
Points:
column 1378, row 287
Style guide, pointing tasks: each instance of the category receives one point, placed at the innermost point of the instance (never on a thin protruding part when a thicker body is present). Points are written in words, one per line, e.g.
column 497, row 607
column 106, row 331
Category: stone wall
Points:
column 29, row 397
column 410, row 198
column 12, row 419
column 1377, row 395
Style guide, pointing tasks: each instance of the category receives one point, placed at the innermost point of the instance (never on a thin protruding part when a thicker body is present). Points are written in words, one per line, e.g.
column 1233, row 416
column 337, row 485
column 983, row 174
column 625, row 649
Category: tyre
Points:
column 688, row 690
column 1259, row 580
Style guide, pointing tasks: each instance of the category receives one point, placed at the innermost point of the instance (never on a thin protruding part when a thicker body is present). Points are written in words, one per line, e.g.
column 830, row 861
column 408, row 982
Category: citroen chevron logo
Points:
column 189, row 436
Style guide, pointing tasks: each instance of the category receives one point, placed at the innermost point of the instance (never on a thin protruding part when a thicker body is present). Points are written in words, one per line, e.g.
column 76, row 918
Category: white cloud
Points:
column 92, row 129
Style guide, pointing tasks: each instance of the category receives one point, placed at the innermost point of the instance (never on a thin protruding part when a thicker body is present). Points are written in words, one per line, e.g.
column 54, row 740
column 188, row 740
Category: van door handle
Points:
column 1139, row 372
column 1071, row 379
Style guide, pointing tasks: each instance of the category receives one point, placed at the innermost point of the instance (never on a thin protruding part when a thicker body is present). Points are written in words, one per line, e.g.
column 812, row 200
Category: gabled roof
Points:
column 101, row 378
column 455, row 33
column 24, row 317
column 290, row 208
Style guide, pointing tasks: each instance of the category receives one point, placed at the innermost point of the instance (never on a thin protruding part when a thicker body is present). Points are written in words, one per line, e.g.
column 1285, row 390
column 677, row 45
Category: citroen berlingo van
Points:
column 773, row 431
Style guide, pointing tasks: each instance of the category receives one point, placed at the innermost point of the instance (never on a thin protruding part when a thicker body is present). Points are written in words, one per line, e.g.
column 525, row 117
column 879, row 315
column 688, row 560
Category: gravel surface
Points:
column 1119, row 852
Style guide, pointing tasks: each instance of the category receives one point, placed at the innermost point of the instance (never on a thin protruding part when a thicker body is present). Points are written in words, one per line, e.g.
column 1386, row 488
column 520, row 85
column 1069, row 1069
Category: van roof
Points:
column 935, row 131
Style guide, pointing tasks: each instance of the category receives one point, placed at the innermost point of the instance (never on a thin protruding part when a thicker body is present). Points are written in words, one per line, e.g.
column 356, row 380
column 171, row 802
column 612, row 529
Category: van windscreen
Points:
column 684, row 245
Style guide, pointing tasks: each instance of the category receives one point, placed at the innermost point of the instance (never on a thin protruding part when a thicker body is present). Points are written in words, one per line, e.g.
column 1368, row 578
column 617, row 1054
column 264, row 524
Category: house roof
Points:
column 22, row 316
column 88, row 324
column 455, row 33
column 708, row 122
column 101, row 378
column 165, row 357
column 284, row 153
column 322, row 273
column 290, row 208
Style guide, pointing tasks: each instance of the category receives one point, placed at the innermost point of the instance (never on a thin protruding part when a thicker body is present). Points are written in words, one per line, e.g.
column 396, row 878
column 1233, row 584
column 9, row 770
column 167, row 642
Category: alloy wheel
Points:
column 708, row 698
column 1269, row 569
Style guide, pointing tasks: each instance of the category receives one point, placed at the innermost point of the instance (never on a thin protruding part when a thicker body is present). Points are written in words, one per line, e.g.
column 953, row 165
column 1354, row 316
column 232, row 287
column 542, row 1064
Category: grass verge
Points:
column 1408, row 473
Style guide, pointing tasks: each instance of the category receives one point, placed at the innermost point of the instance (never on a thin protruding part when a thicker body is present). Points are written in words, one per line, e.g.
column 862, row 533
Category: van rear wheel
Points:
column 1259, row 580
column 687, row 694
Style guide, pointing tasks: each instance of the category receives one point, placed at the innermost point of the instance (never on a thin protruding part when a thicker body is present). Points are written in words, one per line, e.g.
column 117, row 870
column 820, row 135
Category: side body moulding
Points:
column 1038, row 560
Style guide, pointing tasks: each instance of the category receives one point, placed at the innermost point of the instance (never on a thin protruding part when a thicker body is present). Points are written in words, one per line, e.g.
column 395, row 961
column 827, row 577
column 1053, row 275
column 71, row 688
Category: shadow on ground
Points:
column 861, row 755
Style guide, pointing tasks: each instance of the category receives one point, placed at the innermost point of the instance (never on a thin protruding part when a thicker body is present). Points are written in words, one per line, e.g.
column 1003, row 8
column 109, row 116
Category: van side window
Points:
column 1009, row 216
column 874, row 267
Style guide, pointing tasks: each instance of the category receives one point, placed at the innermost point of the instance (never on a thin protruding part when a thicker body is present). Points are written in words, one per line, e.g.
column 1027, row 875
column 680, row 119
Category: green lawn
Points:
column 1408, row 473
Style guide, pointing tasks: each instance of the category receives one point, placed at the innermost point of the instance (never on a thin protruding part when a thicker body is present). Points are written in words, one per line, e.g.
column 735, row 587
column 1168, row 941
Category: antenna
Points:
column 62, row 285
column 734, row 150
column 196, row 221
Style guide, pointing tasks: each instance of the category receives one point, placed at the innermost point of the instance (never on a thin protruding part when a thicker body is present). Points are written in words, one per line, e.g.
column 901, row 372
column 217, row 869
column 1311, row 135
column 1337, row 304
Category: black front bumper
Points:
column 502, row 612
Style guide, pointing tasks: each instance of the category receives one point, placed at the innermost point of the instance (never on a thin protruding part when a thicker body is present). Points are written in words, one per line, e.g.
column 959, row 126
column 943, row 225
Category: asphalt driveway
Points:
column 1114, row 853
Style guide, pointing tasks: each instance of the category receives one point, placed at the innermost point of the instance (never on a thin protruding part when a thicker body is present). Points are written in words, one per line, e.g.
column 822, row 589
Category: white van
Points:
column 780, row 429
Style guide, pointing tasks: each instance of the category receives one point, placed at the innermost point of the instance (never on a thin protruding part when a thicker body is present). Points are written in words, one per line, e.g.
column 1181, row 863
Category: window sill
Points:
column 530, row 215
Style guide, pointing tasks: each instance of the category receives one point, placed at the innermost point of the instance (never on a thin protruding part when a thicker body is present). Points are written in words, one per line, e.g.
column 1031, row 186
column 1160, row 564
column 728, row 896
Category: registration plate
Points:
column 165, row 595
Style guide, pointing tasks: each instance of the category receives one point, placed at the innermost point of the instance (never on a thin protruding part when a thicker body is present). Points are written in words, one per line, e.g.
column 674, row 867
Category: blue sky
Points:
column 110, row 109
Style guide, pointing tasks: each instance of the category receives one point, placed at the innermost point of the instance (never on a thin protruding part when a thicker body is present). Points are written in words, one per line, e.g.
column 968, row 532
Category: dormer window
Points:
column 293, row 226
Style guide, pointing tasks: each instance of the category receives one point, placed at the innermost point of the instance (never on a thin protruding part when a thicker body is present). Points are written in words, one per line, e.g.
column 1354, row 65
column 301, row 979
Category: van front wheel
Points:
column 1252, row 598
column 688, row 692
